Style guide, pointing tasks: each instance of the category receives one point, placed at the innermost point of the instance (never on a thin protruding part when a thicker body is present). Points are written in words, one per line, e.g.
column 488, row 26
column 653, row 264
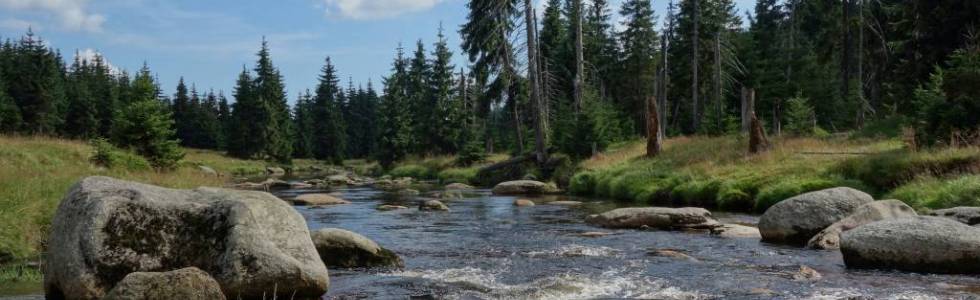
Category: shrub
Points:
column 147, row 127
column 799, row 117
column 107, row 155
column 582, row 183
column 412, row 170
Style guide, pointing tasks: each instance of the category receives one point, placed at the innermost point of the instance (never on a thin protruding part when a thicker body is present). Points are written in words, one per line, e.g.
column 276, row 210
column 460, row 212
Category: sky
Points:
column 209, row 42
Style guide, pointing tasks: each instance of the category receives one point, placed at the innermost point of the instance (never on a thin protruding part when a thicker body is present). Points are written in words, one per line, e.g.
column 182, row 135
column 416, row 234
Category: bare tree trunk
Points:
column 535, row 90
column 579, row 56
column 758, row 142
column 664, row 82
column 695, row 39
column 509, row 72
column 845, row 63
column 718, row 103
column 654, row 141
column 542, row 95
column 864, row 107
column 748, row 106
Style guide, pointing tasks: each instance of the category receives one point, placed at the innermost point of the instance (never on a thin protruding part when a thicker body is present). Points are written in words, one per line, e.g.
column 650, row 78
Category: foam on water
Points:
column 618, row 283
column 577, row 250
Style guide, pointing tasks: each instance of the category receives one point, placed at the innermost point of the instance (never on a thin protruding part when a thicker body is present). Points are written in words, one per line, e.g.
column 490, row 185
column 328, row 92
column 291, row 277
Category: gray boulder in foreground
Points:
column 184, row 284
column 796, row 220
column 966, row 215
column 346, row 249
column 524, row 187
column 655, row 217
column 829, row 238
column 252, row 243
column 920, row 244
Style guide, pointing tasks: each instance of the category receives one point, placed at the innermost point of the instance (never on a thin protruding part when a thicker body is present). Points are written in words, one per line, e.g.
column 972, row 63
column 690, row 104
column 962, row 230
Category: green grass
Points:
column 889, row 170
column 932, row 193
column 36, row 172
column 441, row 168
column 716, row 172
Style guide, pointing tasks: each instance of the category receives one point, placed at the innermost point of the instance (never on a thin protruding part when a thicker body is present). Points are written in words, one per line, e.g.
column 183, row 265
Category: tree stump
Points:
column 758, row 142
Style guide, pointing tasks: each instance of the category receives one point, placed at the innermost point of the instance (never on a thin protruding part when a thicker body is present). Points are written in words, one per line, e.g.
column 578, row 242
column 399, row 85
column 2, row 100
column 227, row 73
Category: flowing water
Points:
column 486, row 248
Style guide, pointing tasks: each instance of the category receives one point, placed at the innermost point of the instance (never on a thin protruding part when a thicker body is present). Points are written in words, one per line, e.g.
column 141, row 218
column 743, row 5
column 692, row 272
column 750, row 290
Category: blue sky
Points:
column 208, row 42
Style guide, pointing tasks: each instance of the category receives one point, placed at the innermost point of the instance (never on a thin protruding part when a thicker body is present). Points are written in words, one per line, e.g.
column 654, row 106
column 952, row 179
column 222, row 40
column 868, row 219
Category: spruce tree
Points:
column 394, row 125
column 81, row 120
column 181, row 108
column 421, row 102
column 35, row 82
column 9, row 112
column 270, row 92
column 639, row 40
column 328, row 137
column 146, row 125
column 444, row 112
column 225, row 121
column 304, row 126
column 249, row 117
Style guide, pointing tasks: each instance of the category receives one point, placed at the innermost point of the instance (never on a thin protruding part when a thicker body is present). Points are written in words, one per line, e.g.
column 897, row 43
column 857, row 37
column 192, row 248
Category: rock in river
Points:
column 796, row 220
column 184, row 284
column 920, row 244
column 345, row 249
column 433, row 205
column 459, row 186
column 524, row 187
column 966, row 215
column 251, row 242
column 318, row 199
column 523, row 202
column 829, row 238
column 736, row 231
column 655, row 217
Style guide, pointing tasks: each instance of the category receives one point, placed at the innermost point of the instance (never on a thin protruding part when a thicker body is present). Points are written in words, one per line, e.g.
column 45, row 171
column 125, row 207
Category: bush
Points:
column 107, row 155
column 147, row 127
column 412, row 170
column 935, row 193
column 582, row 183
column 800, row 117
column 460, row 175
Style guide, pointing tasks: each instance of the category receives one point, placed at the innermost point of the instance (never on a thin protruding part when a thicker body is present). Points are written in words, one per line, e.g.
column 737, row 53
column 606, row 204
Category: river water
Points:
column 486, row 248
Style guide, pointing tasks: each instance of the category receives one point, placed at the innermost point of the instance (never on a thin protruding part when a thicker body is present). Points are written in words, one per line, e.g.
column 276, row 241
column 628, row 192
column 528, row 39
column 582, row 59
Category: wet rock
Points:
column 655, row 217
column 736, row 231
column 341, row 179
column 807, row 274
column 524, row 187
column 523, row 202
column 762, row 292
column 208, row 170
column 966, row 215
column 829, row 238
column 318, row 199
column 448, row 194
column 407, row 192
column 185, row 284
column 391, row 207
column 595, row 234
column 248, row 241
column 920, row 244
column 433, row 205
column 300, row 185
column 565, row 203
column 676, row 254
column 796, row 220
column 345, row 249
column 459, row 186
column 275, row 171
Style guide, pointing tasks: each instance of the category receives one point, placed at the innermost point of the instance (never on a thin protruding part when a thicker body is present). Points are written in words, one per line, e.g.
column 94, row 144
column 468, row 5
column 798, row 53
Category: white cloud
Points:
column 375, row 9
column 72, row 14
column 18, row 25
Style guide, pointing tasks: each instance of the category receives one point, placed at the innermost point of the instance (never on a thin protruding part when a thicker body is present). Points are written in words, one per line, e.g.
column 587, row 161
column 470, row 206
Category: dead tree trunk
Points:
column 535, row 90
column 758, row 142
column 695, row 39
column 718, row 100
column 579, row 57
column 748, row 106
column 664, row 82
column 654, row 142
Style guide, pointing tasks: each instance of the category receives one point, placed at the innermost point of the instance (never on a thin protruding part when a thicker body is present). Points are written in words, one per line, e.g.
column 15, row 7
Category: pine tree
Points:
column 35, row 82
column 444, row 117
column 146, row 125
column 639, row 40
column 304, row 126
column 249, row 117
column 9, row 112
column 181, row 108
column 421, row 101
column 225, row 121
column 329, row 143
column 81, row 120
column 270, row 92
column 394, row 125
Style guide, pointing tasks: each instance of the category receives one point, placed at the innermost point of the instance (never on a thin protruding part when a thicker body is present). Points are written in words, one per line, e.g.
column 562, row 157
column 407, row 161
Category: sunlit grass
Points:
column 442, row 168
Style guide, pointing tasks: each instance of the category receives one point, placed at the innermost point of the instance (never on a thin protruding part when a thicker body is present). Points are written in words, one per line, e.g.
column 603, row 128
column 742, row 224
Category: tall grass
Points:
column 442, row 168
column 933, row 193
column 717, row 172
column 36, row 172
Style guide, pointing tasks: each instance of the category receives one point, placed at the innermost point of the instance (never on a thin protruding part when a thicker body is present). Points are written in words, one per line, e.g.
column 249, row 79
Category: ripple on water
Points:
column 469, row 282
column 578, row 250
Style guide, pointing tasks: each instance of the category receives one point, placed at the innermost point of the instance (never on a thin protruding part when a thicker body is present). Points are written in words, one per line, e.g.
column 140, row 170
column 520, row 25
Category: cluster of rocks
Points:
column 885, row 234
column 664, row 218
column 115, row 239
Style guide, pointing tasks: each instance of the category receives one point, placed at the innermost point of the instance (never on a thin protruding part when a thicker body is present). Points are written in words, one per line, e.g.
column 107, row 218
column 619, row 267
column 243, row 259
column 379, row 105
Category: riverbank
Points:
column 716, row 172
column 36, row 172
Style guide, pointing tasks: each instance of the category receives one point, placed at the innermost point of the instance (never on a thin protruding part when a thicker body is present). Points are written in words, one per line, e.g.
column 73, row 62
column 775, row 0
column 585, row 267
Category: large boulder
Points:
column 524, row 187
column 966, row 215
column 736, row 231
column 252, row 243
column 345, row 249
column 655, row 217
column 921, row 244
column 795, row 220
column 318, row 199
column 185, row 284
column 433, row 205
column 829, row 238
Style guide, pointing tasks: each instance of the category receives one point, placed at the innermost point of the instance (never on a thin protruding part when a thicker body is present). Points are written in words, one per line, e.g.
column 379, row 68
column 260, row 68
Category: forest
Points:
column 573, row 82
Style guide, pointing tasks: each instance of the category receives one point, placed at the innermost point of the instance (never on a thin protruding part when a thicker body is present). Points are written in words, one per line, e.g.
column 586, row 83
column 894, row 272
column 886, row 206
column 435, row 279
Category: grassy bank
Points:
column 36, row 172
column 441, row 168
column 716, row 172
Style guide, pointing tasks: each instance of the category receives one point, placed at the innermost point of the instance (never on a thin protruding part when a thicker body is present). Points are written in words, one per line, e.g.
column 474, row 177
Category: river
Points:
column 487, row 248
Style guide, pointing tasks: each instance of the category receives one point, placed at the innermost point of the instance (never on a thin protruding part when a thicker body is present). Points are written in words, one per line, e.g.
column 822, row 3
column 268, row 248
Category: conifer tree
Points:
column 304, row 126
column 181, row 108
column 639, row 40
column 35, row 82
column 394, row 125
column 329, row 142
column 249, row 117
column 421, row 101
column 146, row 125
column 444, row 116
column 9, row 113
column 225, row 120
column 81, row 119
column 270, row 92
